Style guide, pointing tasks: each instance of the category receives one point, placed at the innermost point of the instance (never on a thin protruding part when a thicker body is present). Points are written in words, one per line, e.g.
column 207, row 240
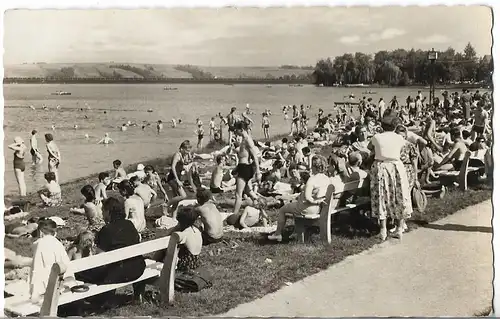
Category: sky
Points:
column 237, row 37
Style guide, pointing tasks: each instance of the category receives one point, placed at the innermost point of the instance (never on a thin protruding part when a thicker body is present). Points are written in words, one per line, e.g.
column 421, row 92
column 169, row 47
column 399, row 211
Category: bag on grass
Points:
column 193, row 280
column 419, row 199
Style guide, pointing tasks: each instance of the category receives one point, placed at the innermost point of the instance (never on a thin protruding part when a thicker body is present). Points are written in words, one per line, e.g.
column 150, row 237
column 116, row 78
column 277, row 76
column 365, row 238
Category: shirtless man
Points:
column 218, row 175
column 246, row 117
column 455, row 157
column 480, row 119
column 232, row 118
column 430, row 133
column 36, row 156
column 248, row 165
column 106, row 140
column 212, row 229
column 295, row 120
column 100, row 189
column 145, row 192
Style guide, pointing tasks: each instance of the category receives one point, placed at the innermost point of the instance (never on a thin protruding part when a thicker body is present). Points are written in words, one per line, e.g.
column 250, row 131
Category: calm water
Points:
column 122, row 103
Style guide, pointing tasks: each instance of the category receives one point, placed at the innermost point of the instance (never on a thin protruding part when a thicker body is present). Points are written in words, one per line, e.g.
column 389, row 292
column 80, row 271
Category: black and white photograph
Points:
column 293, row 161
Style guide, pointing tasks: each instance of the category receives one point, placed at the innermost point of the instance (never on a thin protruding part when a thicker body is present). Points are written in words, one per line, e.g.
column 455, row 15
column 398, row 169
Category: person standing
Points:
column 19, row 152
column 466, row 99
column 36, row 156
column 295, row 120
column 54, row 157
column 232, row 118
column 266, row 123
column 389, row 187
column 381, row 108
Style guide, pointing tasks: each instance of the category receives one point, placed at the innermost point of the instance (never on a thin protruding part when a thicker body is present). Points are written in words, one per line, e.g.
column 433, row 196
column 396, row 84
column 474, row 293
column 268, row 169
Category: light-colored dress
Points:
column 389, row 189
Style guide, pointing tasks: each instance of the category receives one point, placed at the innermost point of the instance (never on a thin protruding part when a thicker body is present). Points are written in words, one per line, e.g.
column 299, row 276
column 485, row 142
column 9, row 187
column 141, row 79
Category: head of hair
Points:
column 88, row 192
column 466, row 134
column 49, row 137
column 103, row 176
column 47, row 226
column 306, row 150
column 320, row 163
column 186, row 144
column 186, row 217
column 50, row 176
column 355, row 158
column 114, row 209
column 219, row 158
column 134, row 179
column 34, row 132
column 117, row 163
column 85, row 240
column 284, row 140
column 126, row 188
column 203, row 195
column 390, row 122
column 455, row 133
column 401, row 129
column 149, row 168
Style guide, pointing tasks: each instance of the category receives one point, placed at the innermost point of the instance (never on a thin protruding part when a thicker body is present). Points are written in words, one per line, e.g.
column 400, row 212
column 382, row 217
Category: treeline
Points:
column 292, row 67
column 402, row 67
column 158, row 80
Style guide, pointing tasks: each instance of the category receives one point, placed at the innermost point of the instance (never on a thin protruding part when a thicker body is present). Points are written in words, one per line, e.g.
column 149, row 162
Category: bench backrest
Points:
column 462, row 175
column 333, row 197
column 51, row 296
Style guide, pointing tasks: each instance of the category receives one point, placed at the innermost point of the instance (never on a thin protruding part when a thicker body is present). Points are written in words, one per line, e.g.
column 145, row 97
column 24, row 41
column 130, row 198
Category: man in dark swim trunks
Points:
column 248, row 166
column 36, row 156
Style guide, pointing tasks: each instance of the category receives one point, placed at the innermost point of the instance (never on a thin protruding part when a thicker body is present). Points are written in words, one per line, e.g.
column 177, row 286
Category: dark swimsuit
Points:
column 19, row 163
column 245, row 171
column 171, row 178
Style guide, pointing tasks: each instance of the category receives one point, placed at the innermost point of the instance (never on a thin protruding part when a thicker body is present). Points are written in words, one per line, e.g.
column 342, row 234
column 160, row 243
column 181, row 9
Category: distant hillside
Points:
column 150, row 71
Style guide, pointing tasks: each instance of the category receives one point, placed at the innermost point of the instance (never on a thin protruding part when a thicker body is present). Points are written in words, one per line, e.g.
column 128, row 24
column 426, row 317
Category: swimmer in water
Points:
column 75, row 127
column 86, row 136
column 174, row 123
column 32, row 107
column 106, row 140
column 124, row 127
column 53, row 127
column 58, row 107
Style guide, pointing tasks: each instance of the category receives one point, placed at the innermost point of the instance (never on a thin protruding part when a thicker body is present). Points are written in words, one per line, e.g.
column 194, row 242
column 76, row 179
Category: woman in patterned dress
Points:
column 390, row 193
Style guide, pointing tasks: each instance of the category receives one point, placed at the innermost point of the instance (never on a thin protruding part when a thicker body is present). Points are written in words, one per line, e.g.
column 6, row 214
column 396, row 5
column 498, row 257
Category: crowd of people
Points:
column 399, row 147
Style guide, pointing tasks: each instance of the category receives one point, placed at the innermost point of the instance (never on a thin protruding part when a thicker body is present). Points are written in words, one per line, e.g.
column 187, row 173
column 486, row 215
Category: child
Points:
column 265, row 125
column 52, row 195
column 355, row 172
column 212, row 229
column 217, row 175
column 211, row 126
column 83, row 246
column 100, row 189
column 47, row 250
column 92, row 211
column 120, row 173
column 144, row 191
column 200, row 132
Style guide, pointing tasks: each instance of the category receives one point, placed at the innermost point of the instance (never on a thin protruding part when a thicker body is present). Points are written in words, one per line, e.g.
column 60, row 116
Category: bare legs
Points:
column 20, row 181
column 174, row 202
column 242, row 187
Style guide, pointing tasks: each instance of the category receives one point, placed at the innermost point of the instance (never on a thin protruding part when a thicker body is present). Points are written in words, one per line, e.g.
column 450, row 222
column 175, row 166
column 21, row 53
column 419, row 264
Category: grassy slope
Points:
column 88, row 70
column 241, row 274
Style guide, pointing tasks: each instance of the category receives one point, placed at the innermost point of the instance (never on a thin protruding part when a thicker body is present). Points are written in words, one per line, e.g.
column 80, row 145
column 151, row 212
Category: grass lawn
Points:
column 243, row 274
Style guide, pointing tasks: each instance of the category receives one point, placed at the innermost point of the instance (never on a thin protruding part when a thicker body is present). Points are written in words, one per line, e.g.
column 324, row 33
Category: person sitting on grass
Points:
column 146, row 193
column 47, row 251
column 100, row 188
column 92, row 211
column 51, row 196
column 217, row 183
column 190, row 240
column 134, row 206
column 353, row 169
column 310, row 199
column 83, row 246
column 250, row 217
column 453, row 160
column 120, row 173
column 154, row 181
column 212, row 228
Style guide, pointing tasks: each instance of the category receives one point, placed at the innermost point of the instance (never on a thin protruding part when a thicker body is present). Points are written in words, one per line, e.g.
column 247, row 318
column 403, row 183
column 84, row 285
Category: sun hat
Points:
column 140, row 167
column 18, row 140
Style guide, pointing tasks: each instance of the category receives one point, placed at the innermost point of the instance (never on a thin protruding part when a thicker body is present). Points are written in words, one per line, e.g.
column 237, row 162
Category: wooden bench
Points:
column 323, row 220
column 461, row 176
column 57, row 293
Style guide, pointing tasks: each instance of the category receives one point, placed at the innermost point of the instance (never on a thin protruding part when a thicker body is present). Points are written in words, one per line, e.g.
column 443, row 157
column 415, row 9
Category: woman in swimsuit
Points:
column 19, row 151
column 54, row 157
column 154, row 181
column 179, row 161
column 248, row 165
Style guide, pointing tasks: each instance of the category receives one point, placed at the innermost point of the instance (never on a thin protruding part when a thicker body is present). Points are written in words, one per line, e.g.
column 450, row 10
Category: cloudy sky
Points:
column 237, row 37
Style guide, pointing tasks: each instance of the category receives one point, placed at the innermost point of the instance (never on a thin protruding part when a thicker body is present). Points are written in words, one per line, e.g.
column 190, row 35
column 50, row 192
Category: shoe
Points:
column 392, row 230
column 274, row 237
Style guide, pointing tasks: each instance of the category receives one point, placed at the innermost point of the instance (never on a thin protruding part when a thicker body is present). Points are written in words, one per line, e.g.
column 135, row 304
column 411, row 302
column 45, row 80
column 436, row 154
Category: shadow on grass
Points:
column 457, row 227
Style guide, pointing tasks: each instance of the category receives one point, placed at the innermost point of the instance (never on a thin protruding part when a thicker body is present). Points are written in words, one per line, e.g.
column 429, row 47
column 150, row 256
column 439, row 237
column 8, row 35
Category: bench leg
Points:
column 300, row 230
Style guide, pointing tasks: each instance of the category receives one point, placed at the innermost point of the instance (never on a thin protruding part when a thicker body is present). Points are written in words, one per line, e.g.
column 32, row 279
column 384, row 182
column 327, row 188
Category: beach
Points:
column 101, row 108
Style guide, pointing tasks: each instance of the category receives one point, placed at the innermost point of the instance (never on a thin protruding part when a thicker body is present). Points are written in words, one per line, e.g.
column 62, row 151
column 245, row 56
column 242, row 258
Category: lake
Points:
column 130, row 102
